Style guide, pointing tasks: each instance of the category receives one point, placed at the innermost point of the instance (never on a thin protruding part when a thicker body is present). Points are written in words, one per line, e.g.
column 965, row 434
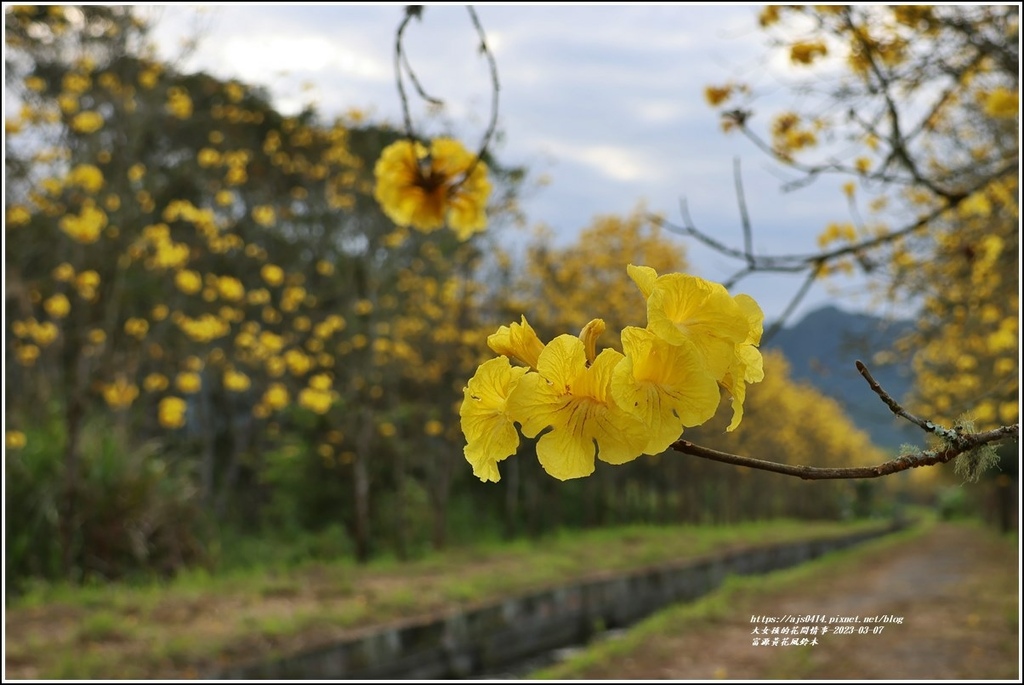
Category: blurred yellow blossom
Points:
column 15, row 440
column 86, row 226
column 188, row 382
column 426, row 187
column 18, row 215
column 120, row 394
column 1002, row 103
column 87, row 177
column 236, row 381
column 57, row 306
column 87, row 122
column 171, row 412
column 276, row 396
column 154, row 382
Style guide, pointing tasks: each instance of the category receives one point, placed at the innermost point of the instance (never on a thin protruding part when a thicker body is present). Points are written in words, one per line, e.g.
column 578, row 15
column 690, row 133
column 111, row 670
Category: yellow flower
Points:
column 805, row 53
column 87, row 177
column 264, row 215
column 179, row 103
column 363, row 306
column 230, row 288
column 57, row 306
column 433, row 427
column 136, row 327
column 87, row 122
column 318, row 401
column 299, row 364
column 747, row 365
column 665, row 386
column 272, row 274
column 276, row 396
column 716, row 96
column 154, row 382
column 44, row 333
column 425, row 188
column 171, row 412
column 687, row 308
column 725, row 330
column 63, row 272
column 1002, row 103
column 518, row 341
column 26, row 354
column 236, row 381
column 188, row 282
column 208, row 157
column 575, row 401
column 490, row 433
column 86, row 226
column 15, row 440
column 120, row 394
column 18, row 215
column 86, row 284
column 188, row 382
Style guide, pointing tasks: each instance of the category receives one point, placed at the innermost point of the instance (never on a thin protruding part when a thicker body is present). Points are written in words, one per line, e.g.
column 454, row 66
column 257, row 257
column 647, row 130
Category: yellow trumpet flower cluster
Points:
column 609, row 405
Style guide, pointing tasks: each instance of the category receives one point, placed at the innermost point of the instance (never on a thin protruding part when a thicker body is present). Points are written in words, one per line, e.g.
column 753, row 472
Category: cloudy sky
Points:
column 605, row 101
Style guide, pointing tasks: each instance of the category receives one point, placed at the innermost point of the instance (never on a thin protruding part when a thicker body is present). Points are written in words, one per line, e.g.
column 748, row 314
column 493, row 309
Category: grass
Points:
column 200, row 621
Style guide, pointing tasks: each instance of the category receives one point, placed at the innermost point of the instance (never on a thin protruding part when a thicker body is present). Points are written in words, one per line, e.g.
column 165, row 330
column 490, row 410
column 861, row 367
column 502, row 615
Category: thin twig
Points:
column 399, row 59
column 893, row 405
column 416, row 83
column 748, row 239
column 791, row 307
column 493, row 124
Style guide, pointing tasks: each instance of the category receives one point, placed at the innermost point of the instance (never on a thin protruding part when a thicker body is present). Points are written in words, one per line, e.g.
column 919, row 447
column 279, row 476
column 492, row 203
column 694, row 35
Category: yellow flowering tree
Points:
column 169, row 267
column 922, row 119
column 927, row 109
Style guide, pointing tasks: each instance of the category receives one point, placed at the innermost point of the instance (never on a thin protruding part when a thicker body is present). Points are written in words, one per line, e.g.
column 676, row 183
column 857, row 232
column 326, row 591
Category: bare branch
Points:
column 495, row 88
column 893, row 405
column 903, row 462
column 794, row 263
column 955, row 442
column 791, row 307
column 748, row 240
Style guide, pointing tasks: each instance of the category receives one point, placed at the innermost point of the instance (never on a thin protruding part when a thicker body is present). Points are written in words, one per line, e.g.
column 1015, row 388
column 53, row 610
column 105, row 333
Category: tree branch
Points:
column 903, row 462
column 955, row 443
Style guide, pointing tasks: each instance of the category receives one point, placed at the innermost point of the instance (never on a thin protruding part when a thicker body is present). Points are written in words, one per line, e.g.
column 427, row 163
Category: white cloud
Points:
column 607, row 98
column 616, row 162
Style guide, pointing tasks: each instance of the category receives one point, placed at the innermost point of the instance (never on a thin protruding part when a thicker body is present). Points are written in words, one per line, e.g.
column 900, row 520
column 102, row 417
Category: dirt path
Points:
column 956, row 590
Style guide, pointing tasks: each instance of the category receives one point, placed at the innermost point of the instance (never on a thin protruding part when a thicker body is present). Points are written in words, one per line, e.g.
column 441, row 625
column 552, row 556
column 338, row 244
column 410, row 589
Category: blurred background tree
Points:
column 917, row 107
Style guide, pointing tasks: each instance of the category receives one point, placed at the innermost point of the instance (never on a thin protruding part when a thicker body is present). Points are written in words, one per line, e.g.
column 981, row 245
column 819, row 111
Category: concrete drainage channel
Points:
column 495, row 638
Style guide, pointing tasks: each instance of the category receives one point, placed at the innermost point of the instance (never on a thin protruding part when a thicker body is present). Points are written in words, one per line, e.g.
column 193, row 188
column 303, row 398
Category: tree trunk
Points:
column 361, row 489
column 69, row 522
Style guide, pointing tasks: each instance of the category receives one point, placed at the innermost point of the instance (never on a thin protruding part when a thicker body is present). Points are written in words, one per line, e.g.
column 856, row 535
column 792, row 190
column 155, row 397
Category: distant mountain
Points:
column 821, row 350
